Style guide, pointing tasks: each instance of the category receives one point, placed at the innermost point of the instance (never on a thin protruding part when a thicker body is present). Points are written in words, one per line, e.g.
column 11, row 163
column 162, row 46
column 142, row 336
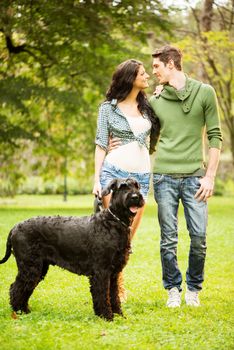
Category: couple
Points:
column 183, row 109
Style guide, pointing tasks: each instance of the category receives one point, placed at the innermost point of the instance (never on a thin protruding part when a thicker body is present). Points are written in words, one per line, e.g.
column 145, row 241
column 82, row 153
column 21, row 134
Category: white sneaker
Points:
column 191, row 298
column 174, row 297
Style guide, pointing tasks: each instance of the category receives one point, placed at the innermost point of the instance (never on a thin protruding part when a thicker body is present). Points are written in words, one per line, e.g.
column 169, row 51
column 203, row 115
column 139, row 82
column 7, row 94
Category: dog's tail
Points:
column 8, row 249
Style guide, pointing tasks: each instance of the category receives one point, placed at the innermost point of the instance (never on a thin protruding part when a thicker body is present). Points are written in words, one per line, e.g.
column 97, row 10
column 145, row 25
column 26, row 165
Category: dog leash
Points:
column 118, row 219
column 97, row 204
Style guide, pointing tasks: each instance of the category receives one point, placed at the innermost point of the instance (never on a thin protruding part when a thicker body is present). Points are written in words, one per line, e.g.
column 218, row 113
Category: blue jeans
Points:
column 110, row 172
column 168, row 191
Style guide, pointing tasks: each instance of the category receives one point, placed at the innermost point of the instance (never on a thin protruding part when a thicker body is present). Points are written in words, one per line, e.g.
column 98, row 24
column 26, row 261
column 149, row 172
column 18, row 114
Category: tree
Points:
column 210, row 48
column 54, row 54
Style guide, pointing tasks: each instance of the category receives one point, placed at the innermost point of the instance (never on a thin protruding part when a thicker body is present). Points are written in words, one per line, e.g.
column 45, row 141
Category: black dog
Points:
column 96, row 246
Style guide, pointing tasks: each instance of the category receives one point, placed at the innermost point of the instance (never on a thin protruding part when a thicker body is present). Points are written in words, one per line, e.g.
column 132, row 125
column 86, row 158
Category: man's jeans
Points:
column 168, row 191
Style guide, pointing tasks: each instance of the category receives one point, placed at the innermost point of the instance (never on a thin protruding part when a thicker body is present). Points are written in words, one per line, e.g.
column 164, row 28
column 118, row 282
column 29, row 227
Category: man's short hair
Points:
column 167, row 53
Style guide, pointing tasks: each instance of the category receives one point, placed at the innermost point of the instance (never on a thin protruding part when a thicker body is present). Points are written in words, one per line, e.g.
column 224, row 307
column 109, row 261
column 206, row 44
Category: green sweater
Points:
column 185, row 115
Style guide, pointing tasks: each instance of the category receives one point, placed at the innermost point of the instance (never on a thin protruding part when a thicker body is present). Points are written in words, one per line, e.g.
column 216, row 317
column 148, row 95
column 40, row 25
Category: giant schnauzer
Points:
column 96, row 246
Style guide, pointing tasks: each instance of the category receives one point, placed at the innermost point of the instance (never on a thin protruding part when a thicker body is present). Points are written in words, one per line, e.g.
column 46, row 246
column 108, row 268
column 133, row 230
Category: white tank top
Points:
column 132, row 156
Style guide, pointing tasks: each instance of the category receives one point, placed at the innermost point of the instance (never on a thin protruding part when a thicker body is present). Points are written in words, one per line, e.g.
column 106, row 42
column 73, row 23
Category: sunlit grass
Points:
column 62, row 315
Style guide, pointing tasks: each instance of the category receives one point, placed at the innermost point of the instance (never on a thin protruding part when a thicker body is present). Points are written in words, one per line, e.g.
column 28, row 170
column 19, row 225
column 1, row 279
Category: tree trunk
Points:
column 207, row 13
column 232, row 146
column 65, row 180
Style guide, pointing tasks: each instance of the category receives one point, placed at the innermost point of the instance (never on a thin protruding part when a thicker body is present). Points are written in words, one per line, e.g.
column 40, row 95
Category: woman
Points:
column 126, row 115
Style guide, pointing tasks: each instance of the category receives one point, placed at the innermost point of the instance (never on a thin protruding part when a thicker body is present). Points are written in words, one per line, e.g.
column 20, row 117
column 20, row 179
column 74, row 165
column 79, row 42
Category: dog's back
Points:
column 77, row 244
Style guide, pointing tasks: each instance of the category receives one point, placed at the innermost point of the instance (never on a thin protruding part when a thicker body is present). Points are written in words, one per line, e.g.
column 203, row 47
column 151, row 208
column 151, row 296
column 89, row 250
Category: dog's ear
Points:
column 134, row 182
column 137, row 184
column 112, row 186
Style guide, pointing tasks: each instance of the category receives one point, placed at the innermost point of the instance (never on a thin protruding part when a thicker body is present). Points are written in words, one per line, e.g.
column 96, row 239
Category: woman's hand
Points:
column 97, row 189
column 158, row 90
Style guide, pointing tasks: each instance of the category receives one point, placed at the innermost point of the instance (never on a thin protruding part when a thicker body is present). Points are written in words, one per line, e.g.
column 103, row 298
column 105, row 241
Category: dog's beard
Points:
column 135, row 204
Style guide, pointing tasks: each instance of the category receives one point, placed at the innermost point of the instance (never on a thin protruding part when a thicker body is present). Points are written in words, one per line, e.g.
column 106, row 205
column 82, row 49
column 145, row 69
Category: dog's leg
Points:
column 27, row 279
column 114, row 295
column 45, row 269
column 19, row 294
column 99, row 288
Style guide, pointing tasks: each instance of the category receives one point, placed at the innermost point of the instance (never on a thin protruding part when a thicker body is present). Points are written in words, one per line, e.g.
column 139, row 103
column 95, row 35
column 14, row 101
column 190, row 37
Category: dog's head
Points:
column 126, row 198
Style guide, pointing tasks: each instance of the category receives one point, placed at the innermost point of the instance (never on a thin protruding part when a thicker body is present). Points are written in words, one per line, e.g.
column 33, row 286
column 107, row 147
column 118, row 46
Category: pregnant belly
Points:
column 130, row 157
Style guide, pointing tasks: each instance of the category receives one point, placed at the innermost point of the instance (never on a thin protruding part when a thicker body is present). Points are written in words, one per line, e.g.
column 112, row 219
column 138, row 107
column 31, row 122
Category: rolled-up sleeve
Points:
column 212, row 118
column 102, row 135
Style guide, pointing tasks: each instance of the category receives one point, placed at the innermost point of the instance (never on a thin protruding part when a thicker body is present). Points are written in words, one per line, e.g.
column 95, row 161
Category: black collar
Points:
column 118, row 219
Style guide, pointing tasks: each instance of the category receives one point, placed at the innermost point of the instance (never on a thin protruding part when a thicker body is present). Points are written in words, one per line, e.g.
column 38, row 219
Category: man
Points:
column 186, row 109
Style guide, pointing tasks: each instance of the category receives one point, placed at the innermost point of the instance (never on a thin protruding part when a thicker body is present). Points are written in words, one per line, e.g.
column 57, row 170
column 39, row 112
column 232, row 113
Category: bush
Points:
column 32, row 185
column 10, row 184
column 36, row 185
column 219, row 187
column 224, row 187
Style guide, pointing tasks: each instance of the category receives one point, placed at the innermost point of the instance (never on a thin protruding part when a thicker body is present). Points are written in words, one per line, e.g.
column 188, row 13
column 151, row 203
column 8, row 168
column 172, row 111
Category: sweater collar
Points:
column 170, row 93
column 186, row 95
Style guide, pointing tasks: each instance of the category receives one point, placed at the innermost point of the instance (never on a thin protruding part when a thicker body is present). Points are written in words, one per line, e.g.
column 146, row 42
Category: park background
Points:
column 56, row 62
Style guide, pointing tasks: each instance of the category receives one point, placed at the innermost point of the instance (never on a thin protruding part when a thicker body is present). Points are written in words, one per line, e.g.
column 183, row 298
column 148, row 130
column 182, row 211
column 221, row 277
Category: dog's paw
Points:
column 121, row 315
column 117, row 311
column 108, row 318
column 26, row 310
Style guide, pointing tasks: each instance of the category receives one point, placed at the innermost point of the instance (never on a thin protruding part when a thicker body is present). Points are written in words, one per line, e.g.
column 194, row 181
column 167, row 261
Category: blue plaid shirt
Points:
column 112, row 122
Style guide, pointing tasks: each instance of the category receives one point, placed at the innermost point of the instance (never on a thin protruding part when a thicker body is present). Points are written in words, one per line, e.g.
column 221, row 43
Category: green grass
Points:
column 62, row 315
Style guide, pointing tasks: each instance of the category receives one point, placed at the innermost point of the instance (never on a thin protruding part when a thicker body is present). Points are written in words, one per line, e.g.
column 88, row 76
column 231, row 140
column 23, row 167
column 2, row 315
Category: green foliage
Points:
column 36, row 185
column 80, row 185
column 224, row 187
column 10, row 184
column 57, row 60
column 11, row 133
column 62, row 316
column 219, row 187
column 209, row 55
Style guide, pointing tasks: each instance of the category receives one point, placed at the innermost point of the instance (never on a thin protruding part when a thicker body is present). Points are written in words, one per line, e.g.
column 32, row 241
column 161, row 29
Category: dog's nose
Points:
column 134, row 195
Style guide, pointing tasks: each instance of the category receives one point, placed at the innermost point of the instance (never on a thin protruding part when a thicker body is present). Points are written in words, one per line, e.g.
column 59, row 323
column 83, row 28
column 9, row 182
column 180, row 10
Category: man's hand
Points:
column 113, row 143
column 206, row 189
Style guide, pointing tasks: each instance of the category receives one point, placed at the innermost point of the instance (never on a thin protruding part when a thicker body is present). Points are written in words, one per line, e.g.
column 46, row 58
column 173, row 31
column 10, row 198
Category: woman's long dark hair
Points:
column 121, row 86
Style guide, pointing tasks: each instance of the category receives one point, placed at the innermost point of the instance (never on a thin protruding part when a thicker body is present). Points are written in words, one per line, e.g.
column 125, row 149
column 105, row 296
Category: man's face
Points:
column 161, row 71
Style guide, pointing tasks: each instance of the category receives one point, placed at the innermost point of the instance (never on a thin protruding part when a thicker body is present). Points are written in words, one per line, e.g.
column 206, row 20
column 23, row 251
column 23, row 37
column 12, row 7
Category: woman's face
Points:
column 141, row 81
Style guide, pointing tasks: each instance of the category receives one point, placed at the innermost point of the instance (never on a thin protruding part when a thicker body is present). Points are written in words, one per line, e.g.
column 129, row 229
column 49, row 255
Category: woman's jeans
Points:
column 168, row 191
column 110, row 172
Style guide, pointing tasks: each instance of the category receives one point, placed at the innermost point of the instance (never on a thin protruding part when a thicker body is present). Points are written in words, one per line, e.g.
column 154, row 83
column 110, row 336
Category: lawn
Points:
column 62, row 315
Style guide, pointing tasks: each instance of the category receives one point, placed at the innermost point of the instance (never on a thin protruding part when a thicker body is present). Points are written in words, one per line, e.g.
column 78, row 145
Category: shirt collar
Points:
column 114, row 102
